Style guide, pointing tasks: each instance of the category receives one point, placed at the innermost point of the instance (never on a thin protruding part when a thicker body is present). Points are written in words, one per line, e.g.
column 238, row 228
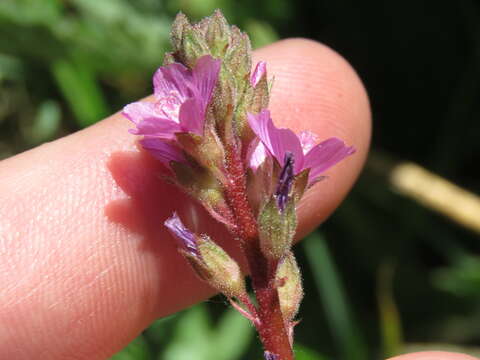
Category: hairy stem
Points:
column 271, row 326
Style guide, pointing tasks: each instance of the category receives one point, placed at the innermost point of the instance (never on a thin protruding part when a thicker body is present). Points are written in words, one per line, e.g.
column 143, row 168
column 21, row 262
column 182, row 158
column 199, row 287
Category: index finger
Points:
column 86, row 262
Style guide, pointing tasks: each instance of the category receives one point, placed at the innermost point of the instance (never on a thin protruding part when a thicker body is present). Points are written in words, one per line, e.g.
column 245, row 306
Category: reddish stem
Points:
column 271, row 327
column 245, row 300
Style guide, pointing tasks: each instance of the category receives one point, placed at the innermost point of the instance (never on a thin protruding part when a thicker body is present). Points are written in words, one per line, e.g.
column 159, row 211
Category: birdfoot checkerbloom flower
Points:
column 210, row 125
column 277, row 143
column 181, row 99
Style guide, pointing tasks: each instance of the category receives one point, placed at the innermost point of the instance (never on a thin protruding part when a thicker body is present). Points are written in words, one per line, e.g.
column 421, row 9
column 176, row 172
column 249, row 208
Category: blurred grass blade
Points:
column 461, row 279
column 10, row 68
column 233, row 335
column 157, row 332
column 261, row 33
column 192, row 338
column 136, row 350
column 46, row 122
column 304, row 353
column 81, row 90
column 345, row 333
column 390, row 324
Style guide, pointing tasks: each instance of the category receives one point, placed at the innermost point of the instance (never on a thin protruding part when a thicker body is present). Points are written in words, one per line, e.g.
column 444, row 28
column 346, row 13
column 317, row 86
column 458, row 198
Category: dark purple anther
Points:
column 270, row 356
column 285, row 181
column 180, row 232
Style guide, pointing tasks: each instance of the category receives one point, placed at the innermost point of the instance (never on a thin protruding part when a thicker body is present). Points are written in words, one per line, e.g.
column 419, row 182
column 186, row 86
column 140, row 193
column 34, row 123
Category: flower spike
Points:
column 208, row 122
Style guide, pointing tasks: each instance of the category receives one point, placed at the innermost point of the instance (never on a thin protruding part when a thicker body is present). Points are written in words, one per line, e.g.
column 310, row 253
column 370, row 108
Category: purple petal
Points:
column 157, row 127
column 270, row 356
column 182, row 97
column 285, row 181
column 284, row 140
column 277, row 141
column 137, row 111
column 192, row 116
column 256, row 154
column 325, row 155
column 258, row 73
column 149, row 121
column 205, row 76
column 162, row 150
column 185, row 237
column 308, row 140
column 174, row 79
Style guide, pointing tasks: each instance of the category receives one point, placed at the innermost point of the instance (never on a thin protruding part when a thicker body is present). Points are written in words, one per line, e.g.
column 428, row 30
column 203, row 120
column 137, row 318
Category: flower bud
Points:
column 188, row 42
column 211, row 263
column 202, row 185
column 238, row 90
column 217, row 33
column 290, row 290
column 176, row 34
column 186, row 239
column 259, row 72
column 225, row 274
column 277, row 219
column 276, row 228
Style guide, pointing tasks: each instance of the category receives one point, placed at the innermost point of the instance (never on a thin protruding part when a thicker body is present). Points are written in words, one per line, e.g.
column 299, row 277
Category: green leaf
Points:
column 329, row 286
column 390, row 325
column 232, row 336
column 136, row 350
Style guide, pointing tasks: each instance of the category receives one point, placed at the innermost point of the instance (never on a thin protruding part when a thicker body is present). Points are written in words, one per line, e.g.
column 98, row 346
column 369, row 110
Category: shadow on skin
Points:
column 151, row 200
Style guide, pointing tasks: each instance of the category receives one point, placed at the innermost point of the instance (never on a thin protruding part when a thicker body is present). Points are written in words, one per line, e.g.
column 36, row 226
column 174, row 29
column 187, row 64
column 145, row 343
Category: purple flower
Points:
column 181, row 99
column 285, row 181
column 277, row 142
column 185, row 237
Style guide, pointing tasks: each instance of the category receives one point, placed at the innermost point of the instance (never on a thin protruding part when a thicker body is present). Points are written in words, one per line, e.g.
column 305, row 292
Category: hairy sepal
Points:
column 300, row 184
column 225, row 273
column 276, row 228
column 289, row 286
column 201, row 185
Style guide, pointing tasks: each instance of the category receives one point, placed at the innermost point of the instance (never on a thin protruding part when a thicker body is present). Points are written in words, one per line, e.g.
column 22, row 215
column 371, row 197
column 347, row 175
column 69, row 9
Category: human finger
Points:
column 86, row 262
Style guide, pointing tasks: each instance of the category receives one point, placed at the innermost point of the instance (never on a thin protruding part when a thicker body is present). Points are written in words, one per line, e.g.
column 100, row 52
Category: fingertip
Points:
column 434, row 355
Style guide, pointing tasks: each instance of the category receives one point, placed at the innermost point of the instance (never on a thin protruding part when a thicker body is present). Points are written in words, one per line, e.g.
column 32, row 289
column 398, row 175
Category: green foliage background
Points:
column 384, row 275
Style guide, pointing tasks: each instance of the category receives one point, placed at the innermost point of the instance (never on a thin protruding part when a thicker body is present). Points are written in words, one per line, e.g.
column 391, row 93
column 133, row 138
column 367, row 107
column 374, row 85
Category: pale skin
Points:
column 86, row 264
